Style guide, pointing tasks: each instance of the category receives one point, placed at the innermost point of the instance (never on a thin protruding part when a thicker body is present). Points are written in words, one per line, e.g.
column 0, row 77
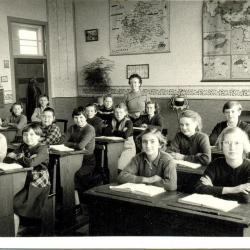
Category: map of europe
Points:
column 226, row 40
column 139, row 26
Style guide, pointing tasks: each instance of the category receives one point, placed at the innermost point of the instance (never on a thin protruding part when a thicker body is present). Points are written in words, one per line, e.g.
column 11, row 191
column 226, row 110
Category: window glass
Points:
column 27, row 39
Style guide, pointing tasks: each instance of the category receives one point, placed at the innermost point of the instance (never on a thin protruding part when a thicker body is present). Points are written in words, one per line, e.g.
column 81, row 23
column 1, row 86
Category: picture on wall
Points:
column 91, row 35
column 141, row 69
column 138, row 27
column 226, row 43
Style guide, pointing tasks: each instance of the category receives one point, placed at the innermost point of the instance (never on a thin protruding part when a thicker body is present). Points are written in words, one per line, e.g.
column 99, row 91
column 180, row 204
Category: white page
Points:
column 188, row 164
column 209, row 201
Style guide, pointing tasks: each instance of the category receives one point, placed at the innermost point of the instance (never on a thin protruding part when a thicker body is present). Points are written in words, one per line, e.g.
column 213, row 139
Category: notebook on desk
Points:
column 188, row 164
column 111, row 138
column 3, row 128
column 141, row 189
column 12, row 166
column 61, row 147
column 209, row 201
column 139, row 128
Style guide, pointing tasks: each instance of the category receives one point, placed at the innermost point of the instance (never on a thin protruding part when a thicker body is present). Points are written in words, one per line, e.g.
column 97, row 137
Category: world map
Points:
column 139, row 26
column 226, row 40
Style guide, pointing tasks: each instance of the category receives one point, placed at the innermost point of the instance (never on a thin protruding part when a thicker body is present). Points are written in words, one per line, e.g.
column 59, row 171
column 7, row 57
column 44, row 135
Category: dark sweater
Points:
column 155, row 121
column 106, row 114
column 223, row 175
column 140, row 167
column 97, row 123
column 81, row 138
column 123, row 128
column 222, row 125
column 195, row 148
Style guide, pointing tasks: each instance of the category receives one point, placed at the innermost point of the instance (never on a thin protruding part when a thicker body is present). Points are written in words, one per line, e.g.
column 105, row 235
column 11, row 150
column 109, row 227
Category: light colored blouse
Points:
column 37, row 115
column 136, row 101
column 3, row 147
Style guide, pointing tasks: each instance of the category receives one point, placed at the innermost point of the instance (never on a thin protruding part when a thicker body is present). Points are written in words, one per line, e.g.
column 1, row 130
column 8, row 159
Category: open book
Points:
column 209, row 201
column 142, row 189
column 188, row 164
column 11, row 166
column 139, row 128
column 111, row 138
column 61, row 147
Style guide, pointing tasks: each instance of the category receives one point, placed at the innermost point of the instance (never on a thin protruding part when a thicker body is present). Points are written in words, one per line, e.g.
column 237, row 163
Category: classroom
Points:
column 98, row 93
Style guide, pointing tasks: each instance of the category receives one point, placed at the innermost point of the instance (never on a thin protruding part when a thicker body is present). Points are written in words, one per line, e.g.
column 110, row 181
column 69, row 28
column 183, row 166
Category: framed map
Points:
column 226, row 40
column 138, row 27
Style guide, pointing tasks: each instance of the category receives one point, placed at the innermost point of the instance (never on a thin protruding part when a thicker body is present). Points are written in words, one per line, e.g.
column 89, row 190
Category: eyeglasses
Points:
column 234, row 143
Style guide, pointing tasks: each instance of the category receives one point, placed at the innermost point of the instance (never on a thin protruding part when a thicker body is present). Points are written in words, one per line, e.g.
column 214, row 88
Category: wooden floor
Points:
column 81, row 228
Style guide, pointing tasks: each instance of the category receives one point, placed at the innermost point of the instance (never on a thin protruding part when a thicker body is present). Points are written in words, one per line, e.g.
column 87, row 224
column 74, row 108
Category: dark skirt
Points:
column 83, row 177
column 30, row 201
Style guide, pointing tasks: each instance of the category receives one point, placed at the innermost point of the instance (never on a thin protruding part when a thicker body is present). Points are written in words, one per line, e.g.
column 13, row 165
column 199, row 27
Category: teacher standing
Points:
column 135, row 99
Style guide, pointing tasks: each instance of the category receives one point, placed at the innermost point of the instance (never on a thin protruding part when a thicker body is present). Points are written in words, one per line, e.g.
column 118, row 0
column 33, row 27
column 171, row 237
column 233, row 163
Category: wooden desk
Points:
column 69, row 163
column 187, row 177
column 216, row 152
column 9, row 133
column 113, row 213
column 113, row 150
column 11, row 182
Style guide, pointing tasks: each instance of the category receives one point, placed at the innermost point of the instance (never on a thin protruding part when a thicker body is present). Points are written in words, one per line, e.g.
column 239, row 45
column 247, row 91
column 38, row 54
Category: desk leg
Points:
column 246, row 232
column 68, row 166
column 114, row 151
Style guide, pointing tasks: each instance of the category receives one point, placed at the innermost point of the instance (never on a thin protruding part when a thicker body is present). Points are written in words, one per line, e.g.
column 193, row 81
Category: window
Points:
column 27, row 39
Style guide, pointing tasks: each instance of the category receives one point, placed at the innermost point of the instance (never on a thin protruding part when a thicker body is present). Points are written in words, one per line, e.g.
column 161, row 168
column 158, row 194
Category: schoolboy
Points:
column 93, row 119
column 232, row 111
column 51, row 132
column 106, row 111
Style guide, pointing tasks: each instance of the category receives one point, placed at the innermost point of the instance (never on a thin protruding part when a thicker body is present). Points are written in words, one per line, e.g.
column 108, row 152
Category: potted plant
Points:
column 96, row 74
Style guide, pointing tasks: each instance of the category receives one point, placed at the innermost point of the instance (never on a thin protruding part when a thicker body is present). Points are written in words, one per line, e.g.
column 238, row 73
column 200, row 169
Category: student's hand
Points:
column 21, row 155
column 11, row 124
column 12, row 155
column 33, row 156
column 144, row 125
column 243, row 188
column 206, row 181
column 177, row 156
column 150, row 180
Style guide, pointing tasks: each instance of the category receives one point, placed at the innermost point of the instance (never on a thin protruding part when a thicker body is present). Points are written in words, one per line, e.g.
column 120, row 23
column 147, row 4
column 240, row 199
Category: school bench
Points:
column 113, row 213
column 9, row 133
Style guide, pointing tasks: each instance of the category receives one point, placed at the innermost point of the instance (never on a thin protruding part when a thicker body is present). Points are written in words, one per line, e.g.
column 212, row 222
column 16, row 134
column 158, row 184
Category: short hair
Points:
column 35, row 127
column 231, row 104
column 157, row 107
column 194, row 116
column 152, row 130
column 135, row 76
column 50, row 110
column 123, row 106
column 243, row 137
column 41, row 97
column 14, row 104
column 91, row 105
column 78, row 111
column 107, row 96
